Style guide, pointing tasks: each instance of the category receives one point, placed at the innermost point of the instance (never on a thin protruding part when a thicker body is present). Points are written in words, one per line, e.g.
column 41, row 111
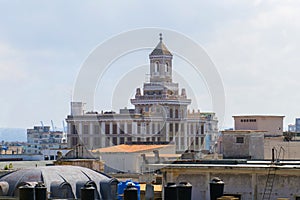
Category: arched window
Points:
column 156, row 67
column 167, row 67
column 171, row 113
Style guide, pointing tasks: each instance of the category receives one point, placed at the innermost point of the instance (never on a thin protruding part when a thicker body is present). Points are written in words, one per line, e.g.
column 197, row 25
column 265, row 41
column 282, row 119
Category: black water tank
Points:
column 26, row 192
column 40, row 192
column 170, row 191
column 216, row 188
column 184, row 191
column 130, row 192
column 87, row 192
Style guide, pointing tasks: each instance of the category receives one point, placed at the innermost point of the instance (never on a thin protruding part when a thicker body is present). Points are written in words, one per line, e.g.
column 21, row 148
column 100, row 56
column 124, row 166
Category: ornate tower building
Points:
column 160, row 115
column 161, row 91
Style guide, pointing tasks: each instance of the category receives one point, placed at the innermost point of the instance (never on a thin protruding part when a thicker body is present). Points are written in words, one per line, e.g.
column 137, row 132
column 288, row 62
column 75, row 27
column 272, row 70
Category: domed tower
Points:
column 161, row 91
column 161, row 63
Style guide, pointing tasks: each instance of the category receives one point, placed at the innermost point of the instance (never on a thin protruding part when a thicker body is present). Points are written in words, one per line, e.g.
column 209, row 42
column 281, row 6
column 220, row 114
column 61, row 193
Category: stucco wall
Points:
column 291, row 150
column 252, row 146
column 271, row 124
column 249, row 182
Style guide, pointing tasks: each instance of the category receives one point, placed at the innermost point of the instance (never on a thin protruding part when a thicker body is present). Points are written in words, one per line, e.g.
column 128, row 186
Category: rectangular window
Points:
column 202, row 129
column 115, row 128
column 73, row 130
column 74, row 141
column 121, row 140
column 107, row 128
column 176, row 127
column 86, row 129
column 171, row 128
column 240, row 140
column 139, row 128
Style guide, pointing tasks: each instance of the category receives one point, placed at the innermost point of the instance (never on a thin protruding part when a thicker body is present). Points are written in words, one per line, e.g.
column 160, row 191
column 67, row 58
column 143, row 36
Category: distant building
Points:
column 160, row 114
column 297, row 125
column 292, row 128
column 40, row 140
column 273, row 125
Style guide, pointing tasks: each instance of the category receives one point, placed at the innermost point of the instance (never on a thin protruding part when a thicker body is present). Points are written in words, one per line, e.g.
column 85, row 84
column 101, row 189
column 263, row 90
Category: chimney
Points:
column 145, row 161
column 156, row 156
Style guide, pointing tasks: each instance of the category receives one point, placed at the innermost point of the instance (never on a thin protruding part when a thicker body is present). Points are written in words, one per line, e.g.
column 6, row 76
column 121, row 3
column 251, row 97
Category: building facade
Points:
column 160, row 114
column 272, row 124
column 242, row 144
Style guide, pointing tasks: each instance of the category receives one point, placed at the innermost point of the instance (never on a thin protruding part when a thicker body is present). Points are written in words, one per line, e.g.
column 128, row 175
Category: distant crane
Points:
column 52, row 124
column 42, row 125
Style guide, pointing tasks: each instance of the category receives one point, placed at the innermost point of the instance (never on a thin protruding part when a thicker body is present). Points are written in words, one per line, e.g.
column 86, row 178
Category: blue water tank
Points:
column 123, row 184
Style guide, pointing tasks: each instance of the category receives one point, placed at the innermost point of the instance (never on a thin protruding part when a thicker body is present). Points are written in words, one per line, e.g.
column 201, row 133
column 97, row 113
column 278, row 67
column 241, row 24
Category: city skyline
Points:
column 43, row 45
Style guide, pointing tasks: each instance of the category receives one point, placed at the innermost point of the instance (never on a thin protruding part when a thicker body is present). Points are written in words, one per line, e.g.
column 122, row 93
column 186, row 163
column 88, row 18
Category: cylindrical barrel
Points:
column 216, row 188
column 40, row 192
column 88, row 193
column 184, row 191
column 131, row 193
column 170, row 191
column 26, row 192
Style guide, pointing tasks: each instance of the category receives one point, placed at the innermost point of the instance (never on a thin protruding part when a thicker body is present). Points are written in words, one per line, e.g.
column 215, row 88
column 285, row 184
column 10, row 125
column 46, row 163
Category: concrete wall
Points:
column 247, row 181
column 291, row 150
column 252, row 146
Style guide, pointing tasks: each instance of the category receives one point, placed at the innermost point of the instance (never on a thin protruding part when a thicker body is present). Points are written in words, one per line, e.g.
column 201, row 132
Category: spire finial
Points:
column 160, row 36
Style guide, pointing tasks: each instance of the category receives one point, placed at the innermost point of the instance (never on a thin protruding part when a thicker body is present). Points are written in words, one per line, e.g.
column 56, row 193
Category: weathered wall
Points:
column 252, row 146
column 291, row 150
column 249, row 182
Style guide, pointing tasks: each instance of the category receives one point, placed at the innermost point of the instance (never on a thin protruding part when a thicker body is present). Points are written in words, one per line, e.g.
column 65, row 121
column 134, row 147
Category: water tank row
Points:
column 181, row 191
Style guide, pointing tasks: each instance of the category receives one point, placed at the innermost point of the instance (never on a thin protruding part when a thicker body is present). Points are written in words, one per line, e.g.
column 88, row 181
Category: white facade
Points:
column 160, row 114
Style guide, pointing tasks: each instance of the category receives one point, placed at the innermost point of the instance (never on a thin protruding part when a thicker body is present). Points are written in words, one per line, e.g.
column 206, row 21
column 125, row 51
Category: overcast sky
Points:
column 254, row 45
